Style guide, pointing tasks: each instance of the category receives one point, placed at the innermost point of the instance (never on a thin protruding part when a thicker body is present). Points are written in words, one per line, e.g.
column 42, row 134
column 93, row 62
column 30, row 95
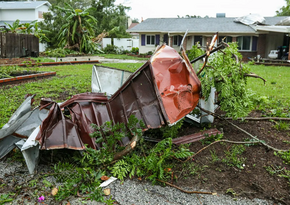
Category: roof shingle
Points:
column 197, row 25
column 22, row 4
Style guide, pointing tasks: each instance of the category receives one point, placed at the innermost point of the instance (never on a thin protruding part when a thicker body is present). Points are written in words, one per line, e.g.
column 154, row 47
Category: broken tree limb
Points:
column 260, row 118
column 244, row 131
column 222, row 46
column 227, row 141
column 253, row 75
column 209, row 48
column 127, row 149
column 188, row 192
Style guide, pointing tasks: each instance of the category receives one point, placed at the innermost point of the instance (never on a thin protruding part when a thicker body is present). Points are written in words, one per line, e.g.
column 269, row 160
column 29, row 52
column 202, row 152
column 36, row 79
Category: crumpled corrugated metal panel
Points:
column 161, row 92
column 58, row 131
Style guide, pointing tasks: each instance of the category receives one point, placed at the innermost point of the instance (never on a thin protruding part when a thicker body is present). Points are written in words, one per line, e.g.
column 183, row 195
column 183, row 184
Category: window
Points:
column 244, row 43
column 197, row 39
column 177, row 40
column 40, row 14
column 150, row 40
column 227, row 39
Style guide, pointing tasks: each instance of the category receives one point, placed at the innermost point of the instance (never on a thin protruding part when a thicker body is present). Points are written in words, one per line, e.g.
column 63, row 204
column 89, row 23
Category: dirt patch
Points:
column 253, row 180
column 11, row 61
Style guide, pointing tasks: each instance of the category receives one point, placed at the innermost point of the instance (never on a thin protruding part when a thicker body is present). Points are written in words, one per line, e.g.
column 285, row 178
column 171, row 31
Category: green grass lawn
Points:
column 278, row 81
column 74, row 79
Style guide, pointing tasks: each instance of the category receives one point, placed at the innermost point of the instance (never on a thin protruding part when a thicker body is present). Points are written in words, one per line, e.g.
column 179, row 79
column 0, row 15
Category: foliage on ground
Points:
column 147, row 161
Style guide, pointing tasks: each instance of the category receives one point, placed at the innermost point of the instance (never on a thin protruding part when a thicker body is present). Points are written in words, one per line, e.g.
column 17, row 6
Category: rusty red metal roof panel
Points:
column 177, row 83
column 195, row 137
column 58, row 132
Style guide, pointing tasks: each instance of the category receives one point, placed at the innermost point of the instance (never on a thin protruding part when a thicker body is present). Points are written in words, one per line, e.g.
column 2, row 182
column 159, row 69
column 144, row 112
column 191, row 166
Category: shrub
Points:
column 135, row 50
column 110, row 49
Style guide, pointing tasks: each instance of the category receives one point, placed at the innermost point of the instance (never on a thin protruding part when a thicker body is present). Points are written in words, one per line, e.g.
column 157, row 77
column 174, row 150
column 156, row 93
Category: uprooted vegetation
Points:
column 218, row 163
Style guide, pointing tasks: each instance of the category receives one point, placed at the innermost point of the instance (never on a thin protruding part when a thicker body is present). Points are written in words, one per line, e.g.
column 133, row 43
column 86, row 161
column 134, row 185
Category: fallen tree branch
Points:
column 244, row 131
column 260, row 118
column 253, row 75
column 188, row 192
column 227, row 141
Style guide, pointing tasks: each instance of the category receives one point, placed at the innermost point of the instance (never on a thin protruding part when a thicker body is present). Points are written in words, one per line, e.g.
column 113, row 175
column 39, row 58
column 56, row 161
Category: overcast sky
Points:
column 170, row 8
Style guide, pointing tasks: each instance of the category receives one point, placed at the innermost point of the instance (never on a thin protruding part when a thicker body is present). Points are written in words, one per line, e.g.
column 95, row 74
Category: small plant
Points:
column 82, row 180
column 273, row 170
column 282, row 126
column 120, row 169
column 284, row 155
column 196, row 169
column 233, row 158
column 211, row 139
column 214, row 156
column 5, row 198
column 231, row 191
column 171, row 131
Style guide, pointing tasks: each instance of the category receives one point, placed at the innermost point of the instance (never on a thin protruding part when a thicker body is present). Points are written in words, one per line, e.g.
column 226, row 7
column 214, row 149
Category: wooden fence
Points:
column 13, row 45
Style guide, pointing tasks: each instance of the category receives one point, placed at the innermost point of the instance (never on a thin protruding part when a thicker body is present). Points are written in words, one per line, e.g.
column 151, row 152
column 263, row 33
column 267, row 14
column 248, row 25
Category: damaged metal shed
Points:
column 163, row 91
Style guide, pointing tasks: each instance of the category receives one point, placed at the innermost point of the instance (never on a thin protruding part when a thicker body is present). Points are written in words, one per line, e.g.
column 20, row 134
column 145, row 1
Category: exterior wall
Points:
column 105, row 42
column 126, row 43
column 265, row 43
column 147, row 48
column 248, row 54
column 189, row 43
column 122, row 43
column 262, row 42
column 42, row 9
column 22, row 15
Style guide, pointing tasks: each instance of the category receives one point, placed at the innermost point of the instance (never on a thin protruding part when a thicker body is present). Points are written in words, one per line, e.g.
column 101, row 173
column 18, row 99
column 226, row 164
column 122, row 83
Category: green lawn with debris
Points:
column 74, row 79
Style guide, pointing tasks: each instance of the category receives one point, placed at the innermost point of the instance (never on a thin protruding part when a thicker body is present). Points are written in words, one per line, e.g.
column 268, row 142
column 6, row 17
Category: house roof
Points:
column 133, row 25
column 197, row 25
column 23, row 4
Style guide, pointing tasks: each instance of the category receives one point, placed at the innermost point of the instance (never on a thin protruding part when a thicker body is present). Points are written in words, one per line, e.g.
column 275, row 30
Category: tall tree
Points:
column 78, row 30
column 111, row 18
column 285, row 10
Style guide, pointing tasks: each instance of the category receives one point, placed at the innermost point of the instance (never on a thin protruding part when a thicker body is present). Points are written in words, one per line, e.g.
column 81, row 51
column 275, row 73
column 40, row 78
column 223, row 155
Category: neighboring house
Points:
column 253, row 39
column 25, row 11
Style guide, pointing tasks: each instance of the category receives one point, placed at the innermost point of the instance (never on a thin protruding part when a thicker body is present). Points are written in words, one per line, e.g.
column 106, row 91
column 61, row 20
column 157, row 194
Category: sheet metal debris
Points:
column 161, row 92
column 251, row 19
column 189, row 138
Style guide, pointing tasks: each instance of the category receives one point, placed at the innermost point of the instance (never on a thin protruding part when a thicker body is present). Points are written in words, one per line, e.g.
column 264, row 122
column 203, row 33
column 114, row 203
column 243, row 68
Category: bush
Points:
column 59, row 52
column 111, row 49
column 135, row 50
column 195, row 52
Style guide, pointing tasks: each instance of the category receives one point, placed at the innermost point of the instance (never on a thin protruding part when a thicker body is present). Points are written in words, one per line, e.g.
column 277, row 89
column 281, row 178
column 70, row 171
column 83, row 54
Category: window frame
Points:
column 229, row 39
column 178, row 39
column 152, row 37
column 194, row 40
column 242, row 42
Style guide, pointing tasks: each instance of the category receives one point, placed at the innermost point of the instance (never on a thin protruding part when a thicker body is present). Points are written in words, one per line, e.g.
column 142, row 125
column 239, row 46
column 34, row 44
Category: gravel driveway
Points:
column 128, row 193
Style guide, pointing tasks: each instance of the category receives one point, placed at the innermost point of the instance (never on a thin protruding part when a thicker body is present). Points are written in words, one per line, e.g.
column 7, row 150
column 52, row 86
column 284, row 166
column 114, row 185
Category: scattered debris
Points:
column 107, row 182
column 161, row 92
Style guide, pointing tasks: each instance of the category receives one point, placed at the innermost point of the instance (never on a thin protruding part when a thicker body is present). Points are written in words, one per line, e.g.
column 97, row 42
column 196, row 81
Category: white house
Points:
column 25, row 11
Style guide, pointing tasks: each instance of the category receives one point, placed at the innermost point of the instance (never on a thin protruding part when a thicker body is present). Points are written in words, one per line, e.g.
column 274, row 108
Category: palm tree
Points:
column 27, row 27
column 14, row 28
column 78, row 31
